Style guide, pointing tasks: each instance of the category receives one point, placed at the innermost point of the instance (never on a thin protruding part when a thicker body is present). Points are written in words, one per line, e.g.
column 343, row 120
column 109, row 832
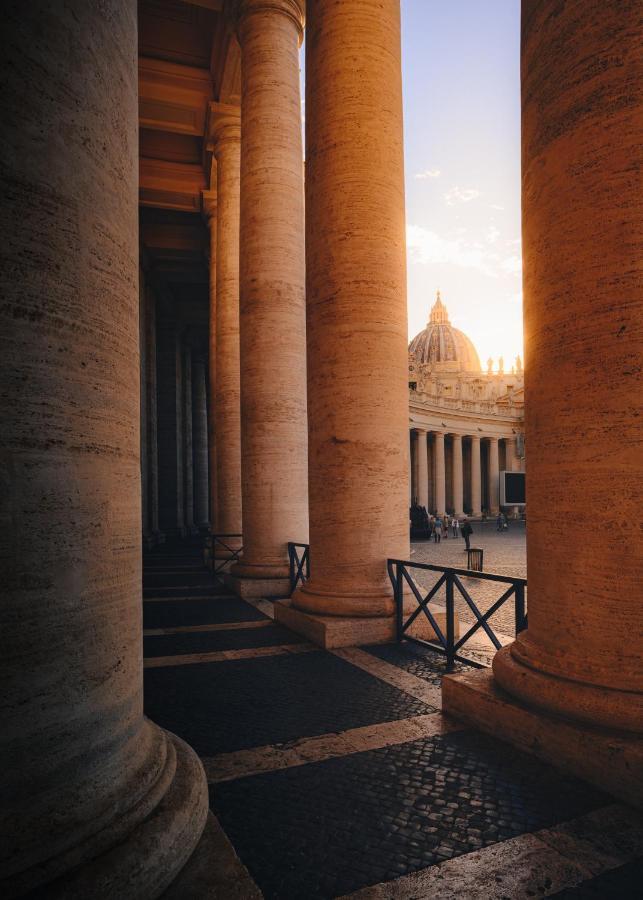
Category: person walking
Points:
column 466, row 531
column 437, row 530
column 499, row 522
column 455, row 525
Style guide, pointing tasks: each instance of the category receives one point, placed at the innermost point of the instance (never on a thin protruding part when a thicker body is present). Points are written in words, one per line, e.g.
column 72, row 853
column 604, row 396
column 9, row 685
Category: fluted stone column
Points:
column 188, row 468
column 227, row 409
column 494, row 476
column 476, row 478
column 97, row 801
column 439, row 472
column 423, row 468
column 458, row 489
column 210, row 211
column 272, row 300
column 356, row 299
column 200, row 441
column 575, row 676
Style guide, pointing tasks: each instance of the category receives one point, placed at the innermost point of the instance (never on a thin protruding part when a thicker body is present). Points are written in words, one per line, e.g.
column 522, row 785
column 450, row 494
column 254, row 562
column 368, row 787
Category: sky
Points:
column 460, row 66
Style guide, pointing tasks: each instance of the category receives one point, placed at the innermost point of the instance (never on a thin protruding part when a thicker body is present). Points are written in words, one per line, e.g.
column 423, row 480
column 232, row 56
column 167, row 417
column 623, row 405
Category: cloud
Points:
column 492, row 234
column 428, row 173
column 460, row 195
column 427, row 247
column 496, row 206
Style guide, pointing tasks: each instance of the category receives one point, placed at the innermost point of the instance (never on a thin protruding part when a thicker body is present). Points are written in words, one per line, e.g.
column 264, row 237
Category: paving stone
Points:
column 429, row 665
column 623, row 883
column 276, row 819
column 238, row 704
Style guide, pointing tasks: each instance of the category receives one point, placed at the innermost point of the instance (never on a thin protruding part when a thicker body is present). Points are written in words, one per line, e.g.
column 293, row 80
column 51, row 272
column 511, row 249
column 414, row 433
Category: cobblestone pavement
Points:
column 360, row 782
column 504, row 554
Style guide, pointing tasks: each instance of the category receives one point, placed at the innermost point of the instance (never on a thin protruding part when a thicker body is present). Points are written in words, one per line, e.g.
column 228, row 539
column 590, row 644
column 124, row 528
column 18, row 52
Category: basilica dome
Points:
column 440, row 342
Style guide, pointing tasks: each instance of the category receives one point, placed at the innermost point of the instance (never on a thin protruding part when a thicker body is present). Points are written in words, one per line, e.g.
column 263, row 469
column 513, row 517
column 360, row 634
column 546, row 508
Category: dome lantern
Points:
column 441, row 345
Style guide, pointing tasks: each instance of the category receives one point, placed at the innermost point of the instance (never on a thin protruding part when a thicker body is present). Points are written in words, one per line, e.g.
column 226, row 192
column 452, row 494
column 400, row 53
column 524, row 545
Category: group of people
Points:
column 438, row 527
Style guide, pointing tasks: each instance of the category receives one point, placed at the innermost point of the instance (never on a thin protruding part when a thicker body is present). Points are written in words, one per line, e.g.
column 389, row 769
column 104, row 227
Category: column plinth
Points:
column 97, row 801
column 579, row 662
column 458, row 482
column 356, row 302
column 272, row 298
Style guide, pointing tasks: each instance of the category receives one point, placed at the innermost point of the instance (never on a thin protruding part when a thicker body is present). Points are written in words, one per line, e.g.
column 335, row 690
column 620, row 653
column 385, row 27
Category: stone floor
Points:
column 335, row 774
column 504, row 554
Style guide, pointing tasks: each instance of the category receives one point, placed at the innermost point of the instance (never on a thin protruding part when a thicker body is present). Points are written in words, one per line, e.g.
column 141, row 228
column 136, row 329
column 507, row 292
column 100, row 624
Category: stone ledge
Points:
column 613, row 761
column 256, row 588
column 351, row 631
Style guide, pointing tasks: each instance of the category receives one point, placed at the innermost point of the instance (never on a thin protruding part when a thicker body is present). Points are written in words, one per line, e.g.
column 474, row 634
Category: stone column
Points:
column 356, row 297
column 439, row 472
column 577, row 671
column 272, row 299
column 142, row 343
column 188, row 471
column 458, row 489
column 476, row 478
column 494, row 476
column 227, row 409
column 170, row 422
column 200, row 443
column 411, row 478
column 210, row 211
column 152, row 415
column 423, row 469
column 97, row 800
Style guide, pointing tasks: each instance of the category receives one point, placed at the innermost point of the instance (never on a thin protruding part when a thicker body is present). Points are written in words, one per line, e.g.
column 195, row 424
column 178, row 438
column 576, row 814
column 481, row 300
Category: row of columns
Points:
column 432, row 458
column 174, row 421
column 270, row 316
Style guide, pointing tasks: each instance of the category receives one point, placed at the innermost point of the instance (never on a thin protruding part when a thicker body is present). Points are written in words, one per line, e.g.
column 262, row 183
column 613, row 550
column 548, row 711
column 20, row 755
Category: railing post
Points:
column 399, row 604
column 450, row 621
column 291, row 566
column 520, row 607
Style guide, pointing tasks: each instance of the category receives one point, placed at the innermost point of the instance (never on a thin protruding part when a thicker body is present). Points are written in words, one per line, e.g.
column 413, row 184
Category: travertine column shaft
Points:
column 582, row 142
column 458, row 489
column 439, row 470
column 476, row 478
column 423, row 469
column 200, row 441
column 227, row 401
column 494, row 476
column 188, row 441
column 356, row 301
column 210, row 210
column 152, row 414
column 96, row 798
column 170, row 422
column 272, row 301
column 143, row 350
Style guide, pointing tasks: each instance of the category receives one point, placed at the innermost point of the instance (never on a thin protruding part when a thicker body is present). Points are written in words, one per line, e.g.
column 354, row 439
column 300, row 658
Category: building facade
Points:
column 466, row 425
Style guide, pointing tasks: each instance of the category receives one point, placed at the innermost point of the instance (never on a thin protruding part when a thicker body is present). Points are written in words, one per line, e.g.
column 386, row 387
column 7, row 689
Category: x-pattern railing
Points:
column 398, row 571
column 223, row 542
column 299, row 564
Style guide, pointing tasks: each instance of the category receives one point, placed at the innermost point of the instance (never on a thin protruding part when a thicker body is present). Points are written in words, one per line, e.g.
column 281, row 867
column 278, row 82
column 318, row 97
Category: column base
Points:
column 257, row 588
column 352, row 631
column 133, row 858
column 610, row 760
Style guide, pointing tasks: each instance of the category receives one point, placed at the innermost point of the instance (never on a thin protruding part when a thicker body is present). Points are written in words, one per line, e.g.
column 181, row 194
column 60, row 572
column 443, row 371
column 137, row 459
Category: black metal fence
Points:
column 299, row 564
column 449, row 579
column 223, row 542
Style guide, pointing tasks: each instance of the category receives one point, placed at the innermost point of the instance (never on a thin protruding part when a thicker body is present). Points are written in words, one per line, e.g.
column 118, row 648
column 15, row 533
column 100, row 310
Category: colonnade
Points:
column 174, row 420
column 447, row 469
column 99, row 799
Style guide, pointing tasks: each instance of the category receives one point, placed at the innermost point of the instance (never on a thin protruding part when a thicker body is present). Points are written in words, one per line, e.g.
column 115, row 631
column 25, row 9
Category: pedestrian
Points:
column 466, row 531
column 455, row 525
column 437, row 529
column 499, row 522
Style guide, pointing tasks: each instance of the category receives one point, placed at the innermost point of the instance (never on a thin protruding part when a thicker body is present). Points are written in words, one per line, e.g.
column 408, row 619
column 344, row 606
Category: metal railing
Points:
column 446, row 643
column 222, row 542
column 299, row 564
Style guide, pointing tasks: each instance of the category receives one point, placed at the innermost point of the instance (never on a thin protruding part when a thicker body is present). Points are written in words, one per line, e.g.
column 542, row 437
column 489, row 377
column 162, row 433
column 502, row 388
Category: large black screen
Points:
column 514, row 487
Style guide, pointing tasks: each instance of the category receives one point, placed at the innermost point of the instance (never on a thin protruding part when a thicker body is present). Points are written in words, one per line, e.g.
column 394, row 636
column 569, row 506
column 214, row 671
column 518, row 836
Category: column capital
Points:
column 240, row 11
column 223, row 126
